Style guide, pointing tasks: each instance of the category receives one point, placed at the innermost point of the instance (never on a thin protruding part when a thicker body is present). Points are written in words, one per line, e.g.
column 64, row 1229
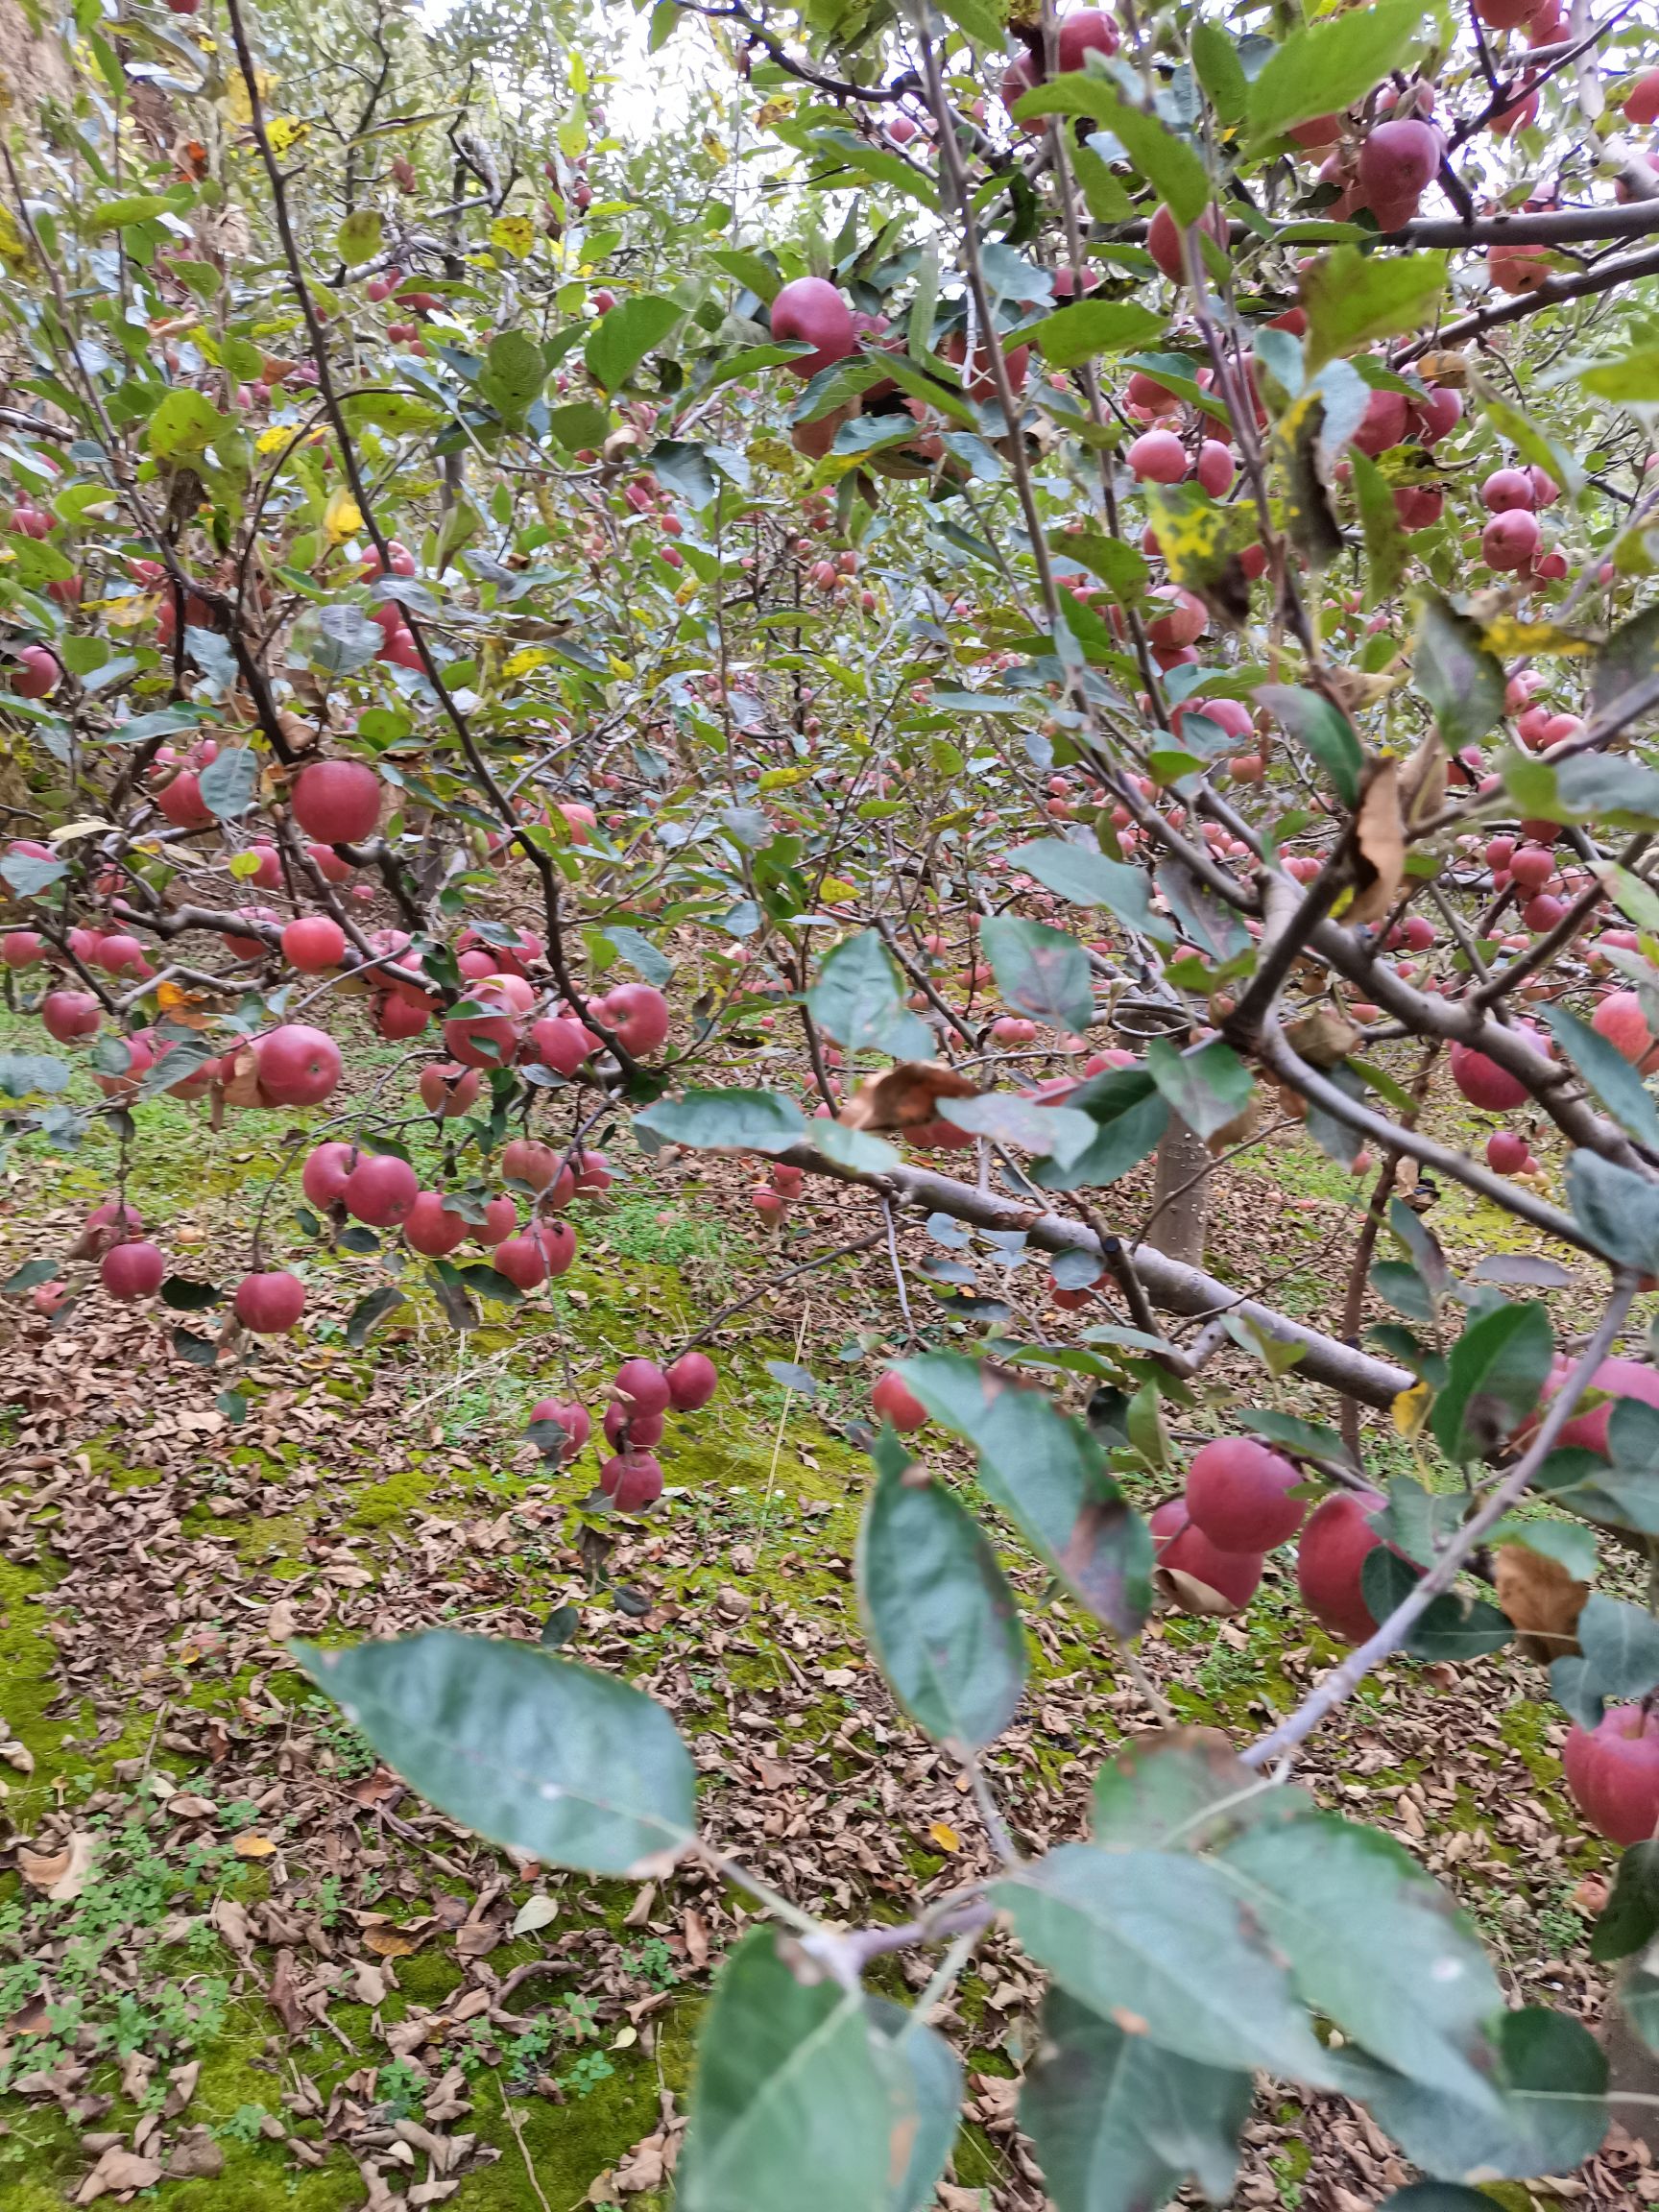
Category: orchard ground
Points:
column 326, row 1995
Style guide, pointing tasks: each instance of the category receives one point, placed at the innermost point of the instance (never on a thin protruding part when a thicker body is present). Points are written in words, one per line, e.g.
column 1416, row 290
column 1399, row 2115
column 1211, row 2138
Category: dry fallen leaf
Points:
column 1541, row 1597
column 249, row 1846
column 1323, row 1036
column 696, row 1929
column 904, row 1097
column 945, row 1835
column 62, row 1874
column 1379, row 845
column 118, row 2170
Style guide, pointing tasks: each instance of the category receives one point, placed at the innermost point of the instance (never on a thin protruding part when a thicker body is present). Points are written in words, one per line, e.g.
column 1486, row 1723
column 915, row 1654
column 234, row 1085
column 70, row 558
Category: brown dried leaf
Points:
column 1423, row 784
column 381, row 1788
column 1379, row 845
column 62, row 1874
column 195, row 2157
column 904, row 1097
column 1187, row 1595
column 1323, row 1036
column 118, row 2170
column 284, row 1995
column 696, row 1932
column 391, row 1943
column 1542, row 1599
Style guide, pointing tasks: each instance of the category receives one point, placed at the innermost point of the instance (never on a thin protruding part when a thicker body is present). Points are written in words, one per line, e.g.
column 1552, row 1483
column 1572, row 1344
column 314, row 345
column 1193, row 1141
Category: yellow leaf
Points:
column 274, row 439
column 513, row 234
column 1196, row 541
column 836, row 891
column 523, row 662
column 285, row 132
column 389, row 1944
column 14, row 247
column 1509, row 634
column 783, row 779
column 945, row 1835
column 1411, row 1409
column 252, row 1846
column 236, row 94
column 342, row 518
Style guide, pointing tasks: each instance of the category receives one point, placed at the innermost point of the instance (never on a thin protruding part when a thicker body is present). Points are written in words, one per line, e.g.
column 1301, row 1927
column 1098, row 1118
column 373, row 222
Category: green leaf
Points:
column 1220, row 70
column 1630, row 1917
column 1551, row 2080
column 1104, row 193
column 368, row 1311
column 1122, row 568
column 1182, row 1788
column 1161, row 1936
column 1326, row 733
column 1208, row 1085
column 925, row 2078
column 514, row 372
column 183, row 425
column 1638, row 1999
column 618, row 342
column 1616, row 1208
column 32, row 1074
column 792, row 2102
column 1462, row 682
column 1076, row 334
column 1051, row 1132
column 579, row 426
column 1041, row 972
column 1494, row 1377
column 1332, row 65
column 29, row 877
column 1387, row 554
column 358, row 237
column 854, row 1148
column 859, row 1001
column 640, row 952
column 982, row 19
column 726, row 1122
column 1131, row 1116
column 29, row 1276
column 1620, row 1647
column 543, row 1756
column 1632, row 379
column 1352, row 297
column 228, row 781
column 1169, row 164
column 1118, row 2123
column 1630, row 656
column 186, row 1296
column 1608, row 1073
column 1085, row 876
column 1048, row 1474
column 937, row 1609
column 1373, row 1943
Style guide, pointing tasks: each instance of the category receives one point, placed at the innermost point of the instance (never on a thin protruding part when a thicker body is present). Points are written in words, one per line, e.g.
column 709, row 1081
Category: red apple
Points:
column 1330, row 1561
column 270, row 1304
column 380, row 1190
column 132, row 1270
column 337, row 801
column 895, row 1403
column 299, row 1065
column 692, row 1381
column 1238, row 1493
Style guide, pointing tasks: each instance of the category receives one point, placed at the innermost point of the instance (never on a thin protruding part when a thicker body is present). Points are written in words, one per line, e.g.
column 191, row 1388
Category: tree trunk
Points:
column 1181, row 1195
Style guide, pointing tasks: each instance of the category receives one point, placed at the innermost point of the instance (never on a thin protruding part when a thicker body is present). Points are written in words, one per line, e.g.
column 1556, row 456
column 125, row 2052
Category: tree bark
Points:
column 1180, row 1196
